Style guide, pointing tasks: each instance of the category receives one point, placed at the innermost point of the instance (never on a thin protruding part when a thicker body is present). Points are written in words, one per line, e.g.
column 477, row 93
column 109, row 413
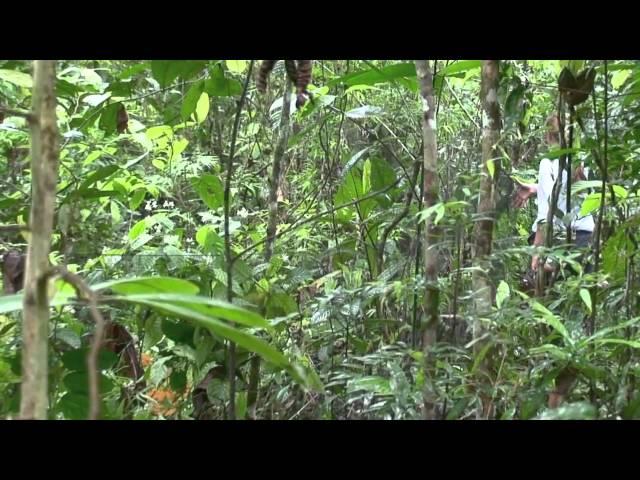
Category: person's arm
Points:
column 580, row 173
column 545, row 188
column 523, row 193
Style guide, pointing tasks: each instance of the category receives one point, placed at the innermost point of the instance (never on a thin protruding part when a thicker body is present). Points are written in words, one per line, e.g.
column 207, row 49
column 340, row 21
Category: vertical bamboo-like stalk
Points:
column 44, row 174
column 272, row 223
column 431, row 235
column 484, row 226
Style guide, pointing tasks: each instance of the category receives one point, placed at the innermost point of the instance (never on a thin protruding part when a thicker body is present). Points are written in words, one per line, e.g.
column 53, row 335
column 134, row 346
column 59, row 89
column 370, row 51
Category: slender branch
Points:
column 276, row 173
column 92, row 359
column 319, row 215
column 403, row 213
column 14, row 228
column 227, row 239
column 16, row 112
column 463, row 107
column 568, row 169
column 605, row 166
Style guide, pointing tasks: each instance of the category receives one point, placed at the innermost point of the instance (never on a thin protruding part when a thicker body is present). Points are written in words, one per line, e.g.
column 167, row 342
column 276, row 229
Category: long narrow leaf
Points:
column 207, row 306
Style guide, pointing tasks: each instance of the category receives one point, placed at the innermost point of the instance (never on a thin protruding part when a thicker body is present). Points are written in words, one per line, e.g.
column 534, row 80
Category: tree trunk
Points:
column 431, row 237
column 44, row 168
column 484, row 226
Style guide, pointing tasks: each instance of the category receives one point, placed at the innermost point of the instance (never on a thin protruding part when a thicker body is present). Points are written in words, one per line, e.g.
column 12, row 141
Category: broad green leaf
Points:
column 502, row 293
column 382, row 176
column 159, row 164
column 6, row 328
column 138, row 229
column 98, row 175
column 459, row 67
column 179, row 332
column 590, row 204
column 209, row 240
column 354, row 160
column 78, row 382
column 481, row 355
column 439, row 209
column 350, row 190
column 619, row 191
column 244, row 339
column 66, row 89
column 204, row 305
column 619, row 77
column 109, row 118
column 585, row 185
column 620, row 341
column 356, row 88
column 377, row 75
column 236, row 66
column 241, row 404
column 557, row 153
column 513, row 111
column 148, row 285
column 190, row 68
column 159, row 131
column 178, row 380
column 136, row 199
column 166, row 71
column 364, row 112
column 552, row 320
column 74, row 406
column 571, row 411
column 178, row 146
column 280, row 304
column 606, row 331
column 133, row 70
column 366, row 177
column 140, row 241
column 615, row 252
column 116, row 216
column 122, row 89
column 616, row 66
column 202, row 108
column 76, row 360
column 191, row 99
column 379, row 385
column 11, row 303
column 586, row 298
column 491, row 168
column 219, row 86
column 90, row 193
column 19, row 79
column 95, row 100
column 210, row 190
column 553, row 350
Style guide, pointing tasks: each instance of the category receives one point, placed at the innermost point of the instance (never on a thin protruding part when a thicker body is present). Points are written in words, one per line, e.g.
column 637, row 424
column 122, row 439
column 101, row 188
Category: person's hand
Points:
column 579, row 174
column 534, row 263
column 522, row 195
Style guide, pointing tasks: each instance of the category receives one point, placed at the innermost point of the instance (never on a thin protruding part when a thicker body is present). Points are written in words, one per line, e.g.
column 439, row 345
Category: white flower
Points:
column 147, row 206
column 189, row 240
column 243, row 213
column 168, row 204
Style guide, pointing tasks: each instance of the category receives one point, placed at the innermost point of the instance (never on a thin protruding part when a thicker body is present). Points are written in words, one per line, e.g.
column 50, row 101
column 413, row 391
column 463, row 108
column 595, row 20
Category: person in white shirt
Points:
column 548, row 172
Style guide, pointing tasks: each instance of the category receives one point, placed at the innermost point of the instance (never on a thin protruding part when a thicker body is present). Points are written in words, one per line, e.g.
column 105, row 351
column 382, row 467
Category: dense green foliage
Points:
column 335, row 312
